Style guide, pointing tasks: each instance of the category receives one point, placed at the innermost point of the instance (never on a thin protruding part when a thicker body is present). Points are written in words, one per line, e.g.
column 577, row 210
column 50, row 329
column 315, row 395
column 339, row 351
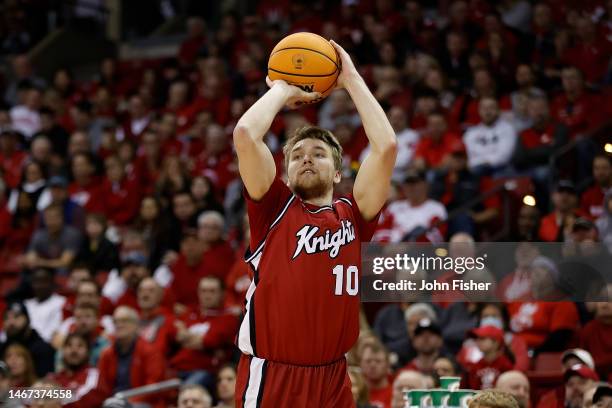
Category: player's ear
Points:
column 337, row 176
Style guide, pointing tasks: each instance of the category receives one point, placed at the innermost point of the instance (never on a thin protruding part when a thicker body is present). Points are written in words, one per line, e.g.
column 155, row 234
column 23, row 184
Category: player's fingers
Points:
column 269, row 82
column 338, row 48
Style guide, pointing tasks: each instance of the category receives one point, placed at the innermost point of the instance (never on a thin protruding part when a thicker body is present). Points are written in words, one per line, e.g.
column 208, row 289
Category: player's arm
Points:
column 255, row 161
column 373, row 180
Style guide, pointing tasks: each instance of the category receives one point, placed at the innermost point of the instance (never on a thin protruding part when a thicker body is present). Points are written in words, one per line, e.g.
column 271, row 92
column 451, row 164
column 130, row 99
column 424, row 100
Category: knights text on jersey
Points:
column 303, row 302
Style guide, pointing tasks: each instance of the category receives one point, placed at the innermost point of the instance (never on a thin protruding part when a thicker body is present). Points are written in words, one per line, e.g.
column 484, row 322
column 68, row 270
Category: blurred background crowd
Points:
column 122, row 221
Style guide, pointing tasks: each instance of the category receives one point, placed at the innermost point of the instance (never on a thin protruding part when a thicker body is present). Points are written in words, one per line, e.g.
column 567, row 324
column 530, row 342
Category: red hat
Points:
column 491, row 332
column 582, row 371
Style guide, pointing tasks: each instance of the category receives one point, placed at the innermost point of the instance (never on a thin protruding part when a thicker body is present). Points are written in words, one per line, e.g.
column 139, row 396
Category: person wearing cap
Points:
column 569, row 358
column 55, row 245
column 555, row 225
column 18, row 330
column 494, row 361
column 489, row 144
column 428, row 344
column 596, row 334
column 412, row 217
column 577, row 379
column 56, row 193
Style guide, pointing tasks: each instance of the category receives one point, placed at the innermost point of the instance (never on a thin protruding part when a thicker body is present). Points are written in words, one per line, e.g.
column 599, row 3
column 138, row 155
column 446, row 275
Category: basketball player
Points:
column 302, row 311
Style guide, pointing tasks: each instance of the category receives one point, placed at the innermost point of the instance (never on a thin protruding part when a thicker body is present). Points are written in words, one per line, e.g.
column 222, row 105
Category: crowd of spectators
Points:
column 122, row 222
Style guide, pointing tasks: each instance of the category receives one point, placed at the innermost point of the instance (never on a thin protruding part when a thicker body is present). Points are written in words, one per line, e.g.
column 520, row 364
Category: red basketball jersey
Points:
column 303, row 302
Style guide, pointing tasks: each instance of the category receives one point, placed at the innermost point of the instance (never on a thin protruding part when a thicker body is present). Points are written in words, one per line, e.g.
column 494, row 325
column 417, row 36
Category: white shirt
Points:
column 493, row 145
column 25, row 120
column 404, row 218
column 46, row 316
column 407, row 140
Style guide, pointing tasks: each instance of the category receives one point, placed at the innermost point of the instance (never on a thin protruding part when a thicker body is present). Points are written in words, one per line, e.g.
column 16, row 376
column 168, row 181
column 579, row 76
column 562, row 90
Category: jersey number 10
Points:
column 352, row 279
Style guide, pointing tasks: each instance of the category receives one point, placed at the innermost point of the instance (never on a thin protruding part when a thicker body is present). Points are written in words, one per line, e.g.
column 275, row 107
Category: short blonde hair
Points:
column 493, row 399
column 314, row 132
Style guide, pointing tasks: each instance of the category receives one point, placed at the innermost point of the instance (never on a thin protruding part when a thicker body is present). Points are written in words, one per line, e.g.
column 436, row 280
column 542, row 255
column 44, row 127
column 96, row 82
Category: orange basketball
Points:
column 307, row 61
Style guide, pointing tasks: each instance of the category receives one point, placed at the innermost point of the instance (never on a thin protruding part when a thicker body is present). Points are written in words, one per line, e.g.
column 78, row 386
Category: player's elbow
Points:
column 389, row 149
column 242, row 138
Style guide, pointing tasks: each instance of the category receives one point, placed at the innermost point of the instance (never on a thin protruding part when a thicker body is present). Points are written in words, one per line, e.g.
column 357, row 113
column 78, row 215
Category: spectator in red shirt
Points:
column 490, row 342
column 137, row 120
column 121, row 194
column 77, row 375
column 185, row 216
column 157, row 324
column 536, row 144
column 217, row 160
column 578, row 379
column 206, row 336
column 375, row 367
column 495, row 314
column 591, row 52
column 195, row 40
column 573, row 357
column 181, row 273
column 148, row 163
column 556, row 226
column 596, row 337
column 86, row 190
column 438, row 143
column 545, row 326
column 166, row 127
column 592, row 200
column 129, row 361
column 213, row 98
column 575, row 107
column 12, row 159
column 218, row 255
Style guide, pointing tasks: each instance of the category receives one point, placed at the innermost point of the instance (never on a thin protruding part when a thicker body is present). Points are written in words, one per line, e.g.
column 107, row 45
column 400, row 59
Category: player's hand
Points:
column 294, row 96
column 348, row 72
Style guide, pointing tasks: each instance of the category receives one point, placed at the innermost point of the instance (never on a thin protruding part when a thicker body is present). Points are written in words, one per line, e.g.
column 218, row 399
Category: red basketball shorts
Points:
column 267, row 384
